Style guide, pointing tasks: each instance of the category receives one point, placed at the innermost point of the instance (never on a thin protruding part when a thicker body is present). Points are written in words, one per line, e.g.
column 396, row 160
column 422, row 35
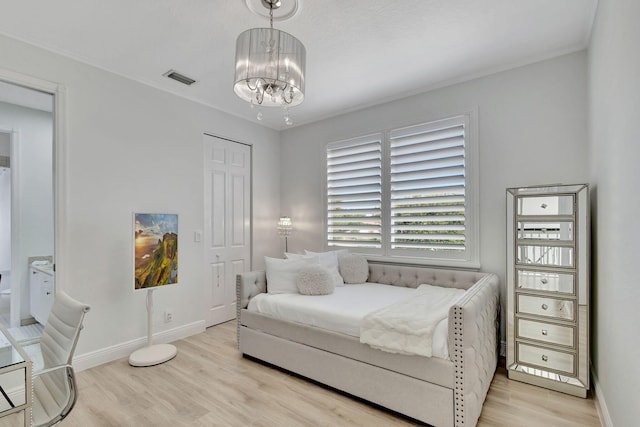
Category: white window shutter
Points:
column 354, row 192
column 427, row 187
column 408, row 194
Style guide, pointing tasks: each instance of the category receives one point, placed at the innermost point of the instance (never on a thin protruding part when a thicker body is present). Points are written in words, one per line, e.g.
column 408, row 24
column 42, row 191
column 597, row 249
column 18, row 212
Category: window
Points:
column 406, row 193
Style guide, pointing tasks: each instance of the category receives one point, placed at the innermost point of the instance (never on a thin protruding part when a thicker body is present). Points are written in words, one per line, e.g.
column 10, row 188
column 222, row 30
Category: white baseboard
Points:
column 108, row 354
column 601, row 404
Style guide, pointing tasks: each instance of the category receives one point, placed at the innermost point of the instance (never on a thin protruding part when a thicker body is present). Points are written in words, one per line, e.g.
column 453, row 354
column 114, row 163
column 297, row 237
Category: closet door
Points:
column 227, row 236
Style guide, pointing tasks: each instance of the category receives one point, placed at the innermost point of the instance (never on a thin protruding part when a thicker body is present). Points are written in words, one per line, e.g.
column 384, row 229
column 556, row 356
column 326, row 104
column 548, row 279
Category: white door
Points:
column 227, row 235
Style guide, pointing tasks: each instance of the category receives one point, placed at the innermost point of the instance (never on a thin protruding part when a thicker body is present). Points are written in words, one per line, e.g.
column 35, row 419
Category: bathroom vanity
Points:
column 41, row 282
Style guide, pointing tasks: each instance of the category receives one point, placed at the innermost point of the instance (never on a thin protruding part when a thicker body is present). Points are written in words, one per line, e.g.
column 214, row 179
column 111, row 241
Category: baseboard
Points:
column 108, row 354
column 27, row 321
column 601, row 405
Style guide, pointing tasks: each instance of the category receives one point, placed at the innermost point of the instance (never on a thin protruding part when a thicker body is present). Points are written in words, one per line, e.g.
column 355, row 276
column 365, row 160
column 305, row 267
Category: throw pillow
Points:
column 315, row 280
column 329, row 260
column 282, row 274
column 354, row 268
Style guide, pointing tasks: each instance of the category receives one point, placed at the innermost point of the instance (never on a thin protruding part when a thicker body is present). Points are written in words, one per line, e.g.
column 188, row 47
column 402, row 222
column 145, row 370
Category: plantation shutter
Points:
column 354, row 192
column 427, row 187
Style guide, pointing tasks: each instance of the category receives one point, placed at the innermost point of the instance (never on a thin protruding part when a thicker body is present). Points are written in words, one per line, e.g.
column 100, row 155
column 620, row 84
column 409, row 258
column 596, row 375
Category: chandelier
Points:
column 270, row 67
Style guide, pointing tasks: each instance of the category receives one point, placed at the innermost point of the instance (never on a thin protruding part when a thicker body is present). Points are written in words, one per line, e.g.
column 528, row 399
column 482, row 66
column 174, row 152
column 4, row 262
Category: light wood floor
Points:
column 210, row 384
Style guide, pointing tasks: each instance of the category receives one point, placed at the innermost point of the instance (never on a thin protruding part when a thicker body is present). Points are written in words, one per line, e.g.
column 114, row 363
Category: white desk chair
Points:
column 54, row 387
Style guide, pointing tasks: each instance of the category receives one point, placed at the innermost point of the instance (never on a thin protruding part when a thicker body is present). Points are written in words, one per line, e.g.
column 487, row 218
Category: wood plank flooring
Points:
column 210, row 384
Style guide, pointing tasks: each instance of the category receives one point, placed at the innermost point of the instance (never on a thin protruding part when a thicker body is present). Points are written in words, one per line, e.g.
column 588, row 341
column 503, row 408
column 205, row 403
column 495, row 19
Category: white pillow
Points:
column 339, row 252
column 329, row 260
column 291, row 255
column 354, row 269
column 282, row 274
column 315, row 280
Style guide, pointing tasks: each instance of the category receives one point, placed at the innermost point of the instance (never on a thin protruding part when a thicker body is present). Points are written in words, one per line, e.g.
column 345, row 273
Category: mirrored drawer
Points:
column 554, row 231
column 548, row 307
column 545, row 205
column 553, row 334
column 14, row 388
column 546, row 358
column 555, row 256
column 545, row 281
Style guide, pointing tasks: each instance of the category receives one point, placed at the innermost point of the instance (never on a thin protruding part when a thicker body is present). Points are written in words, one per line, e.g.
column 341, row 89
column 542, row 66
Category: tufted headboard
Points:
column 413, row 276
column 253, row 283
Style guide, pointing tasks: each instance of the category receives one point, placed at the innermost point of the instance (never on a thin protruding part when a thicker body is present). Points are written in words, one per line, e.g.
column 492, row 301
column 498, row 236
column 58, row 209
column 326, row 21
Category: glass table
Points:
column 15, row 382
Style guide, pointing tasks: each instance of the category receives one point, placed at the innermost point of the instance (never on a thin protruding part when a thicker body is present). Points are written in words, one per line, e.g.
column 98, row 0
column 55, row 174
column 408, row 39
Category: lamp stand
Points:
column 286, row 245
column 152, row 354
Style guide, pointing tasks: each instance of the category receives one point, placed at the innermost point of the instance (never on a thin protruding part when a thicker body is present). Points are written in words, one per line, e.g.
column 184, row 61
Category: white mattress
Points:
column 343, row 310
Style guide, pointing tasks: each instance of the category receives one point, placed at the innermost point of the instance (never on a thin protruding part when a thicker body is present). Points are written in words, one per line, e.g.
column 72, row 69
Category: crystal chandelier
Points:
column 270, row 67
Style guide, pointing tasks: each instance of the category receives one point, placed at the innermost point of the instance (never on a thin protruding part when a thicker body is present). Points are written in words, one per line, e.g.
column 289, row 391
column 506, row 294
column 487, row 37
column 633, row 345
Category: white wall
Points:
column 532, row 130
column 34, row 165
column 614, row 88
column 130, row 147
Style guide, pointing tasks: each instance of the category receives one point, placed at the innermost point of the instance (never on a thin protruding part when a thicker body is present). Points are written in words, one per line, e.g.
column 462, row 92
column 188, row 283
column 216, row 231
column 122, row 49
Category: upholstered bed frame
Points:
column 436, row 391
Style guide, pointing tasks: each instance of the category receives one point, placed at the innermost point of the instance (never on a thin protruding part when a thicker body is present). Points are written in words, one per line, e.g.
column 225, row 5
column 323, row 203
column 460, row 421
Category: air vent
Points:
column 179, row 77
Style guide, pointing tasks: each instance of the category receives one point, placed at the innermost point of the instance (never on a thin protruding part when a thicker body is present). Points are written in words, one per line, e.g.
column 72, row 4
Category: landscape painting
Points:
column 156, row 249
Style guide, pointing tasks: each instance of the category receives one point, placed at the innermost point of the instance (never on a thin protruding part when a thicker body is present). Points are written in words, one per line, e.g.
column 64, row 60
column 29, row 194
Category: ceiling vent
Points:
column 179, row 77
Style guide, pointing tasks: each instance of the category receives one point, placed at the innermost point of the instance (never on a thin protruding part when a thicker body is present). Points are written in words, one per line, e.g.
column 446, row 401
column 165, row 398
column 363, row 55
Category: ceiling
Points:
column 359, row 52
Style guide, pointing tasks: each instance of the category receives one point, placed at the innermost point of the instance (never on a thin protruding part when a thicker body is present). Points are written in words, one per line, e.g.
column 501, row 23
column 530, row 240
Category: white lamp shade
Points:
column 270, row 68
column 285, row 226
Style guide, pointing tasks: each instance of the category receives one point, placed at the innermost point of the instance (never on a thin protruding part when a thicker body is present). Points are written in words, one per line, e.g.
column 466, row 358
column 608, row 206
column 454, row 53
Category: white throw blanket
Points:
column 407, row 326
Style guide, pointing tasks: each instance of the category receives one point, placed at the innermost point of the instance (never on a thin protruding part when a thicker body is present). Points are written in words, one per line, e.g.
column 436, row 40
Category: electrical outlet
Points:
column 168, row 316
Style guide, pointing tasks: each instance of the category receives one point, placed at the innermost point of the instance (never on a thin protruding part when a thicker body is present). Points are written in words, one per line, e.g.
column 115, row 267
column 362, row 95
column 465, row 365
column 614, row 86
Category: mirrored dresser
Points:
column 548, row 287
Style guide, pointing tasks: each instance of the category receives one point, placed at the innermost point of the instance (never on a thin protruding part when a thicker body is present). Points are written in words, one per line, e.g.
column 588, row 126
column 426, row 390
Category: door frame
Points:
column 59, row 147
column 16, row 271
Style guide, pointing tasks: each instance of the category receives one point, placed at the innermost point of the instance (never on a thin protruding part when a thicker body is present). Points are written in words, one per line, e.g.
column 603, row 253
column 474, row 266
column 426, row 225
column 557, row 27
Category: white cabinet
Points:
column 548, row 287
column 41, row 283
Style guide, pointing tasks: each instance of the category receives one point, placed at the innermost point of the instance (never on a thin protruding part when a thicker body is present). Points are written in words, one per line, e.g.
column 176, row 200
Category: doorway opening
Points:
column 27, row 210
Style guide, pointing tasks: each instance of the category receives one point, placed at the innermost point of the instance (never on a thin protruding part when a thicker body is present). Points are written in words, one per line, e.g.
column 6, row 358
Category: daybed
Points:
column 437, row 391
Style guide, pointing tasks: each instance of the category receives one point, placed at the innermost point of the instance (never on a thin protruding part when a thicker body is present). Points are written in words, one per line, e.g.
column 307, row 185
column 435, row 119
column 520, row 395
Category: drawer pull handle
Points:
column 544, row 281
column 545, row 306
column 544, row 332
column 544, row 358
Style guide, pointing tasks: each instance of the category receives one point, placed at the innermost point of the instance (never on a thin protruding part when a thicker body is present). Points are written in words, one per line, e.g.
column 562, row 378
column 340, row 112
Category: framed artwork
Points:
column 155, row 249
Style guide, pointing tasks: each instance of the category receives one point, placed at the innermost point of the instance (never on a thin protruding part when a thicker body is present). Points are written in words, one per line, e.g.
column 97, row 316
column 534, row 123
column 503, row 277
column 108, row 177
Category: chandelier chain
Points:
column 271, row 14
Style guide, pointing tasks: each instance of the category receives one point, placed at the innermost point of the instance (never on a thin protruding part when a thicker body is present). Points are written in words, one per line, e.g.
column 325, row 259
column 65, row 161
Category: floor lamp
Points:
column 284, row 229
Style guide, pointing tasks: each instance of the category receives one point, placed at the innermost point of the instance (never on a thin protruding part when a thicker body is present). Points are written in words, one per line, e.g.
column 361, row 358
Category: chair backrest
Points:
column 55, row 391
column 61, row 333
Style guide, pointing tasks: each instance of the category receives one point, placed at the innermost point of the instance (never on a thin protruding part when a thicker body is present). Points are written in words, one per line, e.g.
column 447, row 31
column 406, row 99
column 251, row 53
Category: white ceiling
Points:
column 359, row 52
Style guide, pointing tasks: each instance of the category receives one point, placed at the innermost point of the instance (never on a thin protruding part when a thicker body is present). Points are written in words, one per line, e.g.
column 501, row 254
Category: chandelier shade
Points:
column 270, row 68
